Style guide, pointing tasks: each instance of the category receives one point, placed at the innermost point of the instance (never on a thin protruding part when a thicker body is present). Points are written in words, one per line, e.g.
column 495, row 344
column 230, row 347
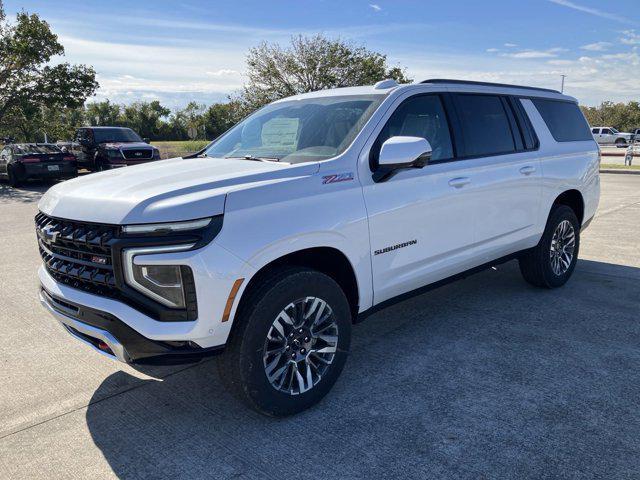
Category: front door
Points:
column 421, row 221
column 5, row 156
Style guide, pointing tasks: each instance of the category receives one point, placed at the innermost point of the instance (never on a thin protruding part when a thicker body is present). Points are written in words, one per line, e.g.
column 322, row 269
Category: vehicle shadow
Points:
column 28, row 193
column 485, row 377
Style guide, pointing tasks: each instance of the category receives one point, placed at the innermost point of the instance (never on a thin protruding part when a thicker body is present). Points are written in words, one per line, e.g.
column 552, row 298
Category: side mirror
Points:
column 146, row 140
column 400, row 153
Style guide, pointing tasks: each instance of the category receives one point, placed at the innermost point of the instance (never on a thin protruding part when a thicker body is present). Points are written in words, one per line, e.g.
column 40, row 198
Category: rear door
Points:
column 500, row 145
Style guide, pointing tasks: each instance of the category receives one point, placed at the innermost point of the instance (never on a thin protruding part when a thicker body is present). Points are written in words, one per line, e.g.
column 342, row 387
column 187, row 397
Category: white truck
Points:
column 611, row 136
column 307, row 216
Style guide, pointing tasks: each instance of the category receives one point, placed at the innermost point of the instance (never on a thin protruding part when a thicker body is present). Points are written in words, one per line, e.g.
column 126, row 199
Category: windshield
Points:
column 103, row 135
column 26, row 149
column 298, row 131
column 614, row 130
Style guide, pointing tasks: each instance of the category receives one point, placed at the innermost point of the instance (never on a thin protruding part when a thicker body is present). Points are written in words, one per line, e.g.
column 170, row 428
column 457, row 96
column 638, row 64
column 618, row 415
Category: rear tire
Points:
column 276, row 384
column 15, row 179
column 551, row 263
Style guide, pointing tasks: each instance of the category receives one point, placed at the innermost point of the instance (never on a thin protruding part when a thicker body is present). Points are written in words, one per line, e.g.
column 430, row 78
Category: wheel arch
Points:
column 573, row 199
column 328, row 260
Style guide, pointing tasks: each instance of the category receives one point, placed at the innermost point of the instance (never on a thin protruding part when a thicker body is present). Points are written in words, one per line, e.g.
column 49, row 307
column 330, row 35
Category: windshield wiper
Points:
column 257, row 159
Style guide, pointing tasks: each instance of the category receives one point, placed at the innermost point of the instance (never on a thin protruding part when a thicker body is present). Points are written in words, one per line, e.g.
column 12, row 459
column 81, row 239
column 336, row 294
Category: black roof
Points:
column 105, row 127
column 487, row 84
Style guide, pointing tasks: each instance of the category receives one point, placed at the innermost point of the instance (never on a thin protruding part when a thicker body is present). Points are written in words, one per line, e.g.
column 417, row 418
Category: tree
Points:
column 29, row 84
column 220, row 117
column 145, row 118
column 624, row 117
column 309, row 64
column 103, row 113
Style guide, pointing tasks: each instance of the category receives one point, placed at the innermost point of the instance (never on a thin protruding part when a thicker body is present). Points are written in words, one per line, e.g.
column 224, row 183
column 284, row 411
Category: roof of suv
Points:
column 385, row 87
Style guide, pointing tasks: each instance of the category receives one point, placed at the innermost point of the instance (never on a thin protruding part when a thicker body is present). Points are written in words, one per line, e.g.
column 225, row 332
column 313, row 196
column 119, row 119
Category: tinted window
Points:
column 564, row 120
column 421, row 116
column 605, row 131
column 485, row 125
column 594, row 130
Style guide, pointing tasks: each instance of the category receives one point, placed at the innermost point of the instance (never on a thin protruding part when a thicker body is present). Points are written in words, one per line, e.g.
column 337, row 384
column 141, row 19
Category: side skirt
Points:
column 432, row 286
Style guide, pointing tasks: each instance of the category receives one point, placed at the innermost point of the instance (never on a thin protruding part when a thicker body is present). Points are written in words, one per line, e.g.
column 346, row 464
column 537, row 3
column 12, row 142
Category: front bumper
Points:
column 110, row 336
column 214, row 270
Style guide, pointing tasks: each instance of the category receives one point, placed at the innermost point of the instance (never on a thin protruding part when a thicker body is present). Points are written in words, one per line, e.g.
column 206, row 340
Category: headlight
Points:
column 171, row 285
column 114, row 154
column 169, row 227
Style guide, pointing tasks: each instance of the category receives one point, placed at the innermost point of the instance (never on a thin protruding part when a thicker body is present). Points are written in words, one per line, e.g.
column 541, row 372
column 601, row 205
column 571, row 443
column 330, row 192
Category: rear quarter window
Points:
column 564, row 120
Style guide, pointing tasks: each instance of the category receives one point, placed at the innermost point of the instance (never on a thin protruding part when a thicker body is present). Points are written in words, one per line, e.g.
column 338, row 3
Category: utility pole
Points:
column 562, row 86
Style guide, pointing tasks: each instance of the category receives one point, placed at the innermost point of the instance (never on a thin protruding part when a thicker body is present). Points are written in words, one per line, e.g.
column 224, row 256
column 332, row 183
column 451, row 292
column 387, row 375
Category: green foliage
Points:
column 309, row 64
column 623, row 116
column 29, row 85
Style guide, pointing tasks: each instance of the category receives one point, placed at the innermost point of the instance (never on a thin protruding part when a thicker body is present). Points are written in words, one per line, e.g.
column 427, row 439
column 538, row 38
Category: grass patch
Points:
column 619, row 167
column 179, row 148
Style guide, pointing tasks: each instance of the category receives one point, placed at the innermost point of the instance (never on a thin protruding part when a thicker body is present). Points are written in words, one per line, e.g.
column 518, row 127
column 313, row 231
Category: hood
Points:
column 163, row 191
column 126, row 145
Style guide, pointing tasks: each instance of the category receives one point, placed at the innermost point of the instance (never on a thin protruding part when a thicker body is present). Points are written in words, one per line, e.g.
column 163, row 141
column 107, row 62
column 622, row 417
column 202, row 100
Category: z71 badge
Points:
column 337, row 177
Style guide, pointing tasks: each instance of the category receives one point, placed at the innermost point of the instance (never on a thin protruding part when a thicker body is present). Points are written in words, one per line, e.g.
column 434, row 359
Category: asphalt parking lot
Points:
column 484, row 378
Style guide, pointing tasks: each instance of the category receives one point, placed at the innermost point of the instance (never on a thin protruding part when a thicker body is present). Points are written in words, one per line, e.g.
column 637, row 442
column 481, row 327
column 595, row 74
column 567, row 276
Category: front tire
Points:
column 621, row 142
column 289, row 343
column 550, row 264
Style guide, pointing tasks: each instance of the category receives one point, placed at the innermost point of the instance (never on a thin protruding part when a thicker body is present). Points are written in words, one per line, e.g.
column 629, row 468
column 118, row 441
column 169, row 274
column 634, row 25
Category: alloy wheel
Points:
column 563, row 245
column 300, row 345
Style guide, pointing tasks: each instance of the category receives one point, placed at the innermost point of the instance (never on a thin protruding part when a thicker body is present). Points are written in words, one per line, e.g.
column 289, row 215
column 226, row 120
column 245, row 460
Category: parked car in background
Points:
column 105, row 148
column 611, row 136
column 24, row 161
column 636, row 135
column 311, row 214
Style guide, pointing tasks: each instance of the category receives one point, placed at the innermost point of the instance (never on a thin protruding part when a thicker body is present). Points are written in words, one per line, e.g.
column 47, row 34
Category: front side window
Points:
column 485, row 125
column 420, row 116
column 298, row 131
column 606, row 131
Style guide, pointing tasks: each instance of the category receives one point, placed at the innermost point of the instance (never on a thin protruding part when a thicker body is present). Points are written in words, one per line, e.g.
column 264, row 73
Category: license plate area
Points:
column 53, row 168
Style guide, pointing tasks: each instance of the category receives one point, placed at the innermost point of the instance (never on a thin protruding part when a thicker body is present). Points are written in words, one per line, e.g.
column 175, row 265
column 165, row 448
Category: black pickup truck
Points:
column 104, row 148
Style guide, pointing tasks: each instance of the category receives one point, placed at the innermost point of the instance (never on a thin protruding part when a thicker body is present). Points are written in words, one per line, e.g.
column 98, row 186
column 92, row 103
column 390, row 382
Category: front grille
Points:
column 138, row 154
column 78, row 254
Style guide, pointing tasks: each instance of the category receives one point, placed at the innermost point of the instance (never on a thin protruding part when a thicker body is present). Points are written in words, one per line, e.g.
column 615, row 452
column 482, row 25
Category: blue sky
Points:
column 177, row 51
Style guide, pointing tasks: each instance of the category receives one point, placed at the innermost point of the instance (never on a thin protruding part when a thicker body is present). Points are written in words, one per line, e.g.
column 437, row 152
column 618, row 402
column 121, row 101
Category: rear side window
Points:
column 485, row 125
column 564, row 120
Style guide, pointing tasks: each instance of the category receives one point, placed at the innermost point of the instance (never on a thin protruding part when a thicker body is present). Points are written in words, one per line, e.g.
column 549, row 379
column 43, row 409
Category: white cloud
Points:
column 549, row 53
column 597, row 46
column 493, row 50
column 223, row 72
column 595, row 11
column 510, row 45
column 630, row 38
column 375, row 7
column 560, row 62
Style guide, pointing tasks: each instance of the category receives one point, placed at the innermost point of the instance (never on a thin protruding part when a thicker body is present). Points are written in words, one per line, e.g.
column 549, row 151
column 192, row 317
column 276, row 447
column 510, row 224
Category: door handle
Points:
column 528, row 170
column 459, row 182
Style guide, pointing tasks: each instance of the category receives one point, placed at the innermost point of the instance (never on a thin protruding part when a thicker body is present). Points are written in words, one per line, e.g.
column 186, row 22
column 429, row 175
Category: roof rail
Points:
column 487, row 84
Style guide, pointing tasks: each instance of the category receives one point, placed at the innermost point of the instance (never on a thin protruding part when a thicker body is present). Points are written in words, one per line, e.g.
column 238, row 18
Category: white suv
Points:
column 310, row 214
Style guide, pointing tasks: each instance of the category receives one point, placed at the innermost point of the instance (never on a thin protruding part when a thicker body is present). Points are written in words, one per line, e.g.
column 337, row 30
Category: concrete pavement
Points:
column 484, row 378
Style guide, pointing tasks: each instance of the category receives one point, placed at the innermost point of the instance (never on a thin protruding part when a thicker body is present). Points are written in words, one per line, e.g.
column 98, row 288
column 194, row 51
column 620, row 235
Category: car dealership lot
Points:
column 485, row 377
